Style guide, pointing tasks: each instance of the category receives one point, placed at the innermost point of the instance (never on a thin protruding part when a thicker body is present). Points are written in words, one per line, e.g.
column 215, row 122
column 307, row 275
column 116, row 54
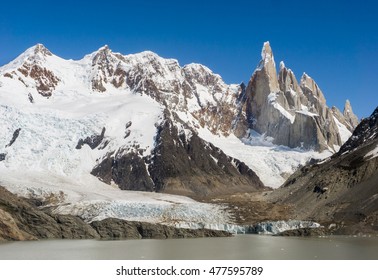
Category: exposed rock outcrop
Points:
column 14, row 137
column 92, row 141
column 45, row 80
column 119, row 229
column 350, row 117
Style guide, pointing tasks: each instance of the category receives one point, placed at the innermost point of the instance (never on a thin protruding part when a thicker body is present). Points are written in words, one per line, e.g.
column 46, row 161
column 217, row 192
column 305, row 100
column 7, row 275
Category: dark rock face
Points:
column 119, row 229
column 364, row 133
column 16, row 133
column 72, row 227
column 305, row 232
column 28, row 222
column 185, row 164
column 30, row 97
column 128, row 171
column 93, row 141
column 2, row 156
column 116, row 229
column 181, row 163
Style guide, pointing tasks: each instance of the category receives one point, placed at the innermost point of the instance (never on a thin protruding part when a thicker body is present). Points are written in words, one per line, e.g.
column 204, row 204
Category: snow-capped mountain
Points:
column 143, row 122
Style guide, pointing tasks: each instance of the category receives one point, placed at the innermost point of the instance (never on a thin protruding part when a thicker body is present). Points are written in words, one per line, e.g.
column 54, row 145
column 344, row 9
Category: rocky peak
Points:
column 107, row 68
column 290, row 87
column 41, row 49
column 32, row 69
column 287, row 79
column 200, row 74
column 350, row 117
column 293, row 114
column 35, row 55
column 104, row 56
column 312, row 90
column 268, row 66
column 267, row 54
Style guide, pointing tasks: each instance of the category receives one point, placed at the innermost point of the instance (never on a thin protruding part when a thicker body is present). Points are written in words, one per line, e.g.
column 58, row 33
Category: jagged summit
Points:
column 311, row 89
column 349, row 115
column 267, row 53
column 40, row 48
column 293, row 114
column 35, row 54
column 104, row 48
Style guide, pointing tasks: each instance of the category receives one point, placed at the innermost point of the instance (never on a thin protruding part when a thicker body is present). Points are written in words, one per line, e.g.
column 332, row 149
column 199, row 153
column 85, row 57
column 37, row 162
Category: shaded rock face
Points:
column 9, row 229
column 364, row 133
column 118, row 229
column 20, row 220
column 181, row 163
column 350, row 117
column 184, row 163
column 127, row 170
column 16, row 133
column 342, row 189
column 93, row 141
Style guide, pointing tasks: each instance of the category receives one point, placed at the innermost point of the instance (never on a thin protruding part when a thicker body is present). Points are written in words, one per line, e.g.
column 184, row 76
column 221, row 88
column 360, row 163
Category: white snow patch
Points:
column 372, row 154
column 272, row 99
column 214, row 159
column 343, row 131
column 285, row 113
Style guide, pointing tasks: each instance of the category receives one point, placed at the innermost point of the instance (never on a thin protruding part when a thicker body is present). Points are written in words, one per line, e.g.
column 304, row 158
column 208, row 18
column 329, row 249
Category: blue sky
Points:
column 335, row 42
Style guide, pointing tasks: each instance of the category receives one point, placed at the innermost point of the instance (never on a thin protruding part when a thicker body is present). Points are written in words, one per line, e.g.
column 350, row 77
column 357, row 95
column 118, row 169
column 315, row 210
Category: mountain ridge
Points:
column 86, row 136
column 127, row 96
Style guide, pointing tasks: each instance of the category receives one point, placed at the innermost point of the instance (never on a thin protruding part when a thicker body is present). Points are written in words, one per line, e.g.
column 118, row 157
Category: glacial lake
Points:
column 237, row 248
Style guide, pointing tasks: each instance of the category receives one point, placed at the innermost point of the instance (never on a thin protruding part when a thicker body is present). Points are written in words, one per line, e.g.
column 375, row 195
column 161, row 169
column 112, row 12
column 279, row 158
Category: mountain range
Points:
column 76, row 136
column 143, row 122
